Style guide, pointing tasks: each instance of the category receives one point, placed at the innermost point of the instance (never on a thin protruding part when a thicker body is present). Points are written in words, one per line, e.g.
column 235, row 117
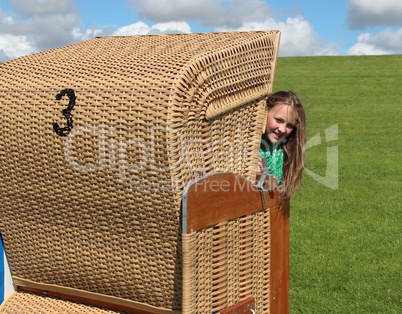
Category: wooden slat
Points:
column 279, row 287
column 221, row 197
column 89, row 298
column 243, row 307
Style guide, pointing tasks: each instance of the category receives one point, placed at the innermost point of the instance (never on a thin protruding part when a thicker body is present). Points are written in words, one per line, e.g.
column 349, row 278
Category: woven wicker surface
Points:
column 227, row 263
column 28, row 303
column 99, row 209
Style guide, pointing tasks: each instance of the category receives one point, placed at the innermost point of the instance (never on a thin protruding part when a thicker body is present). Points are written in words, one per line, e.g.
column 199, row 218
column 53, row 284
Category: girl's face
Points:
column 280, row 123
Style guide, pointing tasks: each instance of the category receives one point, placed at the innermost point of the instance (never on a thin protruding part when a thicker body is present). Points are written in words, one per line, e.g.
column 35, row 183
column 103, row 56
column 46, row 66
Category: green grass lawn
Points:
column 346, row 241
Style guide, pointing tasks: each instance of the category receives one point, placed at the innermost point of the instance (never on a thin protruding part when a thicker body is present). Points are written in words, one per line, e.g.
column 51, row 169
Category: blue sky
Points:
column 309, row 27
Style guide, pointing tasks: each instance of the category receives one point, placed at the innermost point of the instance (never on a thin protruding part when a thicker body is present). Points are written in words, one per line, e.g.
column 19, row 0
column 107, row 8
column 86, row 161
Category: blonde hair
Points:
column 295, row 146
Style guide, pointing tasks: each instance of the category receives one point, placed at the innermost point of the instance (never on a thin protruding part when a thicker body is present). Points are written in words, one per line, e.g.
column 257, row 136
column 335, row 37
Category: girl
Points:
column 284, row 139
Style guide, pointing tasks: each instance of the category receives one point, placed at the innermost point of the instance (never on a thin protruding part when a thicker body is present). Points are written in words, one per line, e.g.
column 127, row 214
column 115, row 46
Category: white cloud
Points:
column 141, row 28
column 85, row 34
column 37, row 25
column 297, row 36
column 371, row 13
column 14, row 46
column 38, row 7
column 168, row 10
column 49, row 31
column 385, row 42
column 170, row 27
column 212, row 13
column 138, row 28
column 362, row 48
column 8, row 20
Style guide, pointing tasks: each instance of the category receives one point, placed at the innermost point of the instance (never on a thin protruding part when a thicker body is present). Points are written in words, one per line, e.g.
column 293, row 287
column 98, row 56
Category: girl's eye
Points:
column 290, row 126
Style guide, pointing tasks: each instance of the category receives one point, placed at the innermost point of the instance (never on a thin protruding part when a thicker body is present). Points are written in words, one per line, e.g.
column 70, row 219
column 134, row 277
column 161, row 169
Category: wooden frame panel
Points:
column 218, row 197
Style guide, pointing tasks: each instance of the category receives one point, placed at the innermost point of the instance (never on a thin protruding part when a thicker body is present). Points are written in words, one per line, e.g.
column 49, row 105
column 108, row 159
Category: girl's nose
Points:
column 281, row 128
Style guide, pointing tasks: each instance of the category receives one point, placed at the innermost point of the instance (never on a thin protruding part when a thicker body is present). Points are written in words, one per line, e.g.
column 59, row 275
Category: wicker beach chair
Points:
column 98, row 142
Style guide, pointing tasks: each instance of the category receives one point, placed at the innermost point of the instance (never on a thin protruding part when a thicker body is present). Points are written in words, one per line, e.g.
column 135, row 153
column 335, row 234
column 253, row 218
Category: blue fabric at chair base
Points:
column 1, row 271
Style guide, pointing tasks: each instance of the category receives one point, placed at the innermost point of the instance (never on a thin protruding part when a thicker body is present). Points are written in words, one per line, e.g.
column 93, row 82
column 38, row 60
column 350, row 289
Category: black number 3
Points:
column 65, row 112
